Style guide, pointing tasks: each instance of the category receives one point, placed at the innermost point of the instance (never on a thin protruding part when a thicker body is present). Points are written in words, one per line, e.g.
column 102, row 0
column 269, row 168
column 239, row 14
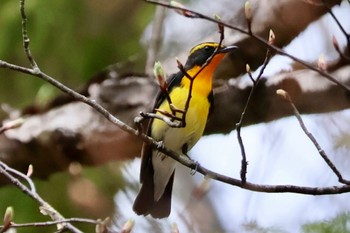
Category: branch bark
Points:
column 75, row 132
column 286, row 18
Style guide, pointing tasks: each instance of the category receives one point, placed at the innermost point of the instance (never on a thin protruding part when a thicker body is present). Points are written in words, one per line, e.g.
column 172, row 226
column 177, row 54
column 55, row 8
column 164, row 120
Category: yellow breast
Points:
column 196, row 118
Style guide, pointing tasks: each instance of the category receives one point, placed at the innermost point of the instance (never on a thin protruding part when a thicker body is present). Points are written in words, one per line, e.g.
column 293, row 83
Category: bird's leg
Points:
column 159, row 145
column 193, row 171
column 184, row 149
column 138, row 123
column 184, row 152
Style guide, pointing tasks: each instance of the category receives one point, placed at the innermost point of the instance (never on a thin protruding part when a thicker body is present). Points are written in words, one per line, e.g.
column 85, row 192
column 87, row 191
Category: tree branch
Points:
column 45, row 207
column 323, row 154
column 244, row 162
column 342, row 29
column 275, row 49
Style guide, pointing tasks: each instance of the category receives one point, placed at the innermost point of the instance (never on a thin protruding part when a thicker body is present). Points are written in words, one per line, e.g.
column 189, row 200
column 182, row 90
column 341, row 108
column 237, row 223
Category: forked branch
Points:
column 275, row 49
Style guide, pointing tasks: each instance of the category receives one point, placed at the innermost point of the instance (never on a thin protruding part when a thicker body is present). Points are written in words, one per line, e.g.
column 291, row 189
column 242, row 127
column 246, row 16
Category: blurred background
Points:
column 74, row 40
column 71, row 40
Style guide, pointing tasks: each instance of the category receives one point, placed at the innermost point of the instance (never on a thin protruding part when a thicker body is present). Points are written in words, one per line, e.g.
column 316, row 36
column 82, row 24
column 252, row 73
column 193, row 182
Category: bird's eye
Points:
column 207, row 49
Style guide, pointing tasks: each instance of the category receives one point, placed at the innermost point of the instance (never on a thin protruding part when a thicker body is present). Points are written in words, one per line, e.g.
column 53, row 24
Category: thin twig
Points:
column 169, row 119
column 25, row 37
column 44, row 206
column 342, row 29
column 19, row 174
column 313, row 140
column 50, row 223
column 194, row 14
column 244, row 162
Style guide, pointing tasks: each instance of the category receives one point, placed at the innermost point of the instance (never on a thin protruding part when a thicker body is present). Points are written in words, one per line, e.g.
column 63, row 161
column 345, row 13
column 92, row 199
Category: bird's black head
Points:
column 201, row 52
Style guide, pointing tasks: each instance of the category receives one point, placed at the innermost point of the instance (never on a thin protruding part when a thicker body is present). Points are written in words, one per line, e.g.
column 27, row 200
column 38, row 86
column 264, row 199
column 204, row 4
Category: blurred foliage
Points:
column 254, row 227
column 87, row 194
column 71, row 41
column 340, row 224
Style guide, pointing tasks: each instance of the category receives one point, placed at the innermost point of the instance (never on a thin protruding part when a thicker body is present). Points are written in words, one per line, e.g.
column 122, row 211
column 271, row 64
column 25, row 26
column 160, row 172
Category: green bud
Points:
column 160, row 76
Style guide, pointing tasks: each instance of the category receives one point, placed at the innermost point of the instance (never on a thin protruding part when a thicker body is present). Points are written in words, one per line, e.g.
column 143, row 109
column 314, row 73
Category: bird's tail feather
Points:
column 145, row 204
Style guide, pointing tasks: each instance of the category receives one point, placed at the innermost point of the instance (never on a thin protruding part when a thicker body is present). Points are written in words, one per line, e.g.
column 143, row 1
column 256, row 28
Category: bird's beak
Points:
column 227, row 49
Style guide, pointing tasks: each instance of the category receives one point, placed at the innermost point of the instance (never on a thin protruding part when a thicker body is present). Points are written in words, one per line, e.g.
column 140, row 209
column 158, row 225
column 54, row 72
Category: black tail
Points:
column 145, row 204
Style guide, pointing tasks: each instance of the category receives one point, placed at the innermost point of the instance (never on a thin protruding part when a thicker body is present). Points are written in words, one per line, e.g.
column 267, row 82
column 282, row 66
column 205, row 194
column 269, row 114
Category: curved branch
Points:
column 185, row 161
column 194, row 14
column 44, row 206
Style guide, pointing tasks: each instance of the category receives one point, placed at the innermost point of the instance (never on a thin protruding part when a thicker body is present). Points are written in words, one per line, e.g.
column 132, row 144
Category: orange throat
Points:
column 203, row 81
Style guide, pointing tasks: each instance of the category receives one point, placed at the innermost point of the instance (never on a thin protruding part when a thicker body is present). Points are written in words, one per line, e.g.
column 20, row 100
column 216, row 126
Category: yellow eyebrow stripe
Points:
column 202, row 45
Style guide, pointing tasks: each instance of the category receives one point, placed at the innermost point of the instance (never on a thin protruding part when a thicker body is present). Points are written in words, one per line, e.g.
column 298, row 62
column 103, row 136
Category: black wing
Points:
column 173, row 81
column 144, row 203
column 146, row 154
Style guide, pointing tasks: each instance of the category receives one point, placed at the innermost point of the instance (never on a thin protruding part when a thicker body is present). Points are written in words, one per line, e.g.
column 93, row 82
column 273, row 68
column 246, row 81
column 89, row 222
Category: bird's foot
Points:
column 159, row 145
column 193, row 171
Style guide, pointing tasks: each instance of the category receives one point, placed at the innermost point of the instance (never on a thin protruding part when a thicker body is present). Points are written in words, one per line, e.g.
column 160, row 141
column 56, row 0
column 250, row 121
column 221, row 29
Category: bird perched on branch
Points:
column 191, row 85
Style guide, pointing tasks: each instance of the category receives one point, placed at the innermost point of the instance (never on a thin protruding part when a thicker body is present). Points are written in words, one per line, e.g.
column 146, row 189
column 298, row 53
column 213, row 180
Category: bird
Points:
column 157, row 170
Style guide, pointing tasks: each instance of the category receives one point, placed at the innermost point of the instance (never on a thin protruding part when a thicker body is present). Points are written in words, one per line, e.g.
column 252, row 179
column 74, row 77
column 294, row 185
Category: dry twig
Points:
column 342, row 29
column 244, row 162
column 45, row 207
column 323, row 154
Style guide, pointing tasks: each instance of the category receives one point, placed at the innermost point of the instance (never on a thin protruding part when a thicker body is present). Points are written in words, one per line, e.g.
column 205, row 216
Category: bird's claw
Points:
column 160, row 145
column 193, row 171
